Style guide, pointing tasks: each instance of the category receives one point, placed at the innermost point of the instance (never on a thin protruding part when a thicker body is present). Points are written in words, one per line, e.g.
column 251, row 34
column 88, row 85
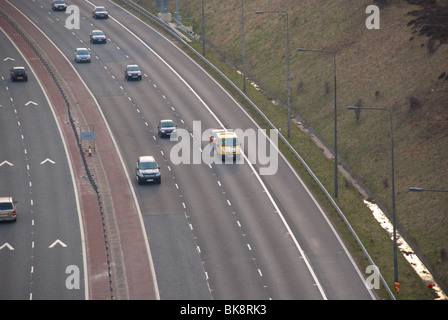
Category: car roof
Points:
column 166, row 120
column 18, row 67
column 97, row 30
column 6, row 199
column 82, row 49
column 146, row 159
column 100, row 7
column 131, row 65
column 227, row 135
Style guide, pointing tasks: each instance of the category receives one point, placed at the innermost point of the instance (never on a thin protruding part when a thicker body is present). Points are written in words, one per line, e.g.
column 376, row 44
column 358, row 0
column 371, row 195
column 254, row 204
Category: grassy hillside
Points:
column 402, row 66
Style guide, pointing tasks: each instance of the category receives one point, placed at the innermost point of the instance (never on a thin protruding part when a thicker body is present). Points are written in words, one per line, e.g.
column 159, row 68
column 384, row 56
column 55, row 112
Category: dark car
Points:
column 58, row 5
column 147, row 170
column 18, row 74
column 132, row 72
column 97, row 36
column 166, row 128
column 100, row 12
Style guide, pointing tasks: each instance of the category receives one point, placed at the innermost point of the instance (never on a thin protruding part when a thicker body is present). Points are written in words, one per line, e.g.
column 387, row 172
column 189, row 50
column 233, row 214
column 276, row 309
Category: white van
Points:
column 227, row 144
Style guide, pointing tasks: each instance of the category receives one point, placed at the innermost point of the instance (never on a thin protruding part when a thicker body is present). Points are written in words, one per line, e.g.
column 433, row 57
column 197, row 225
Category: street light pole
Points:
column 203, row 30
column 244, row 58
column 287, row 63
column 396, row 284
column 335, row 117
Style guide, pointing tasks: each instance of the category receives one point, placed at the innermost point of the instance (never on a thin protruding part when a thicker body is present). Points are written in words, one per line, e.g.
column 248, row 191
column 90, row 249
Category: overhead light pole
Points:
column 244, row 57
column 203, row 30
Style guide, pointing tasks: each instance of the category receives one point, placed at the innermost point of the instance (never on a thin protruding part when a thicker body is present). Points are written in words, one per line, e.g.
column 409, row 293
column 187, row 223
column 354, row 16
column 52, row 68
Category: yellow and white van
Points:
column 227, row 144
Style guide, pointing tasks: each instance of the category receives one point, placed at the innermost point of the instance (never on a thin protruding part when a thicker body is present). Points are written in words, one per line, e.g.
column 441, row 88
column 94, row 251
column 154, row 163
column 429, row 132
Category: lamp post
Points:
column 203, row 30
column 335, row 116
column 396, row 284
column 242, row 33
column 287, row 61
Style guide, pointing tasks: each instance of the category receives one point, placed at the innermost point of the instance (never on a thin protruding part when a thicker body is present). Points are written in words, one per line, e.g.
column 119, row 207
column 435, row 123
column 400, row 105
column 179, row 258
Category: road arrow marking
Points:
column 49, row 160
column 8, row 58
column 7, row 162
column 7, row 245
column 56, row 242
column 31, row 102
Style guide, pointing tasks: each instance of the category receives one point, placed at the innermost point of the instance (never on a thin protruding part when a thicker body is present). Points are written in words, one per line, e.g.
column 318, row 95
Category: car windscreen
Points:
column 148, row 165
column 229, row 142
column 83, row 52
column 19, row 71
column 133, row 69
column 6, row 206
column 167, row 124
column 98, row 33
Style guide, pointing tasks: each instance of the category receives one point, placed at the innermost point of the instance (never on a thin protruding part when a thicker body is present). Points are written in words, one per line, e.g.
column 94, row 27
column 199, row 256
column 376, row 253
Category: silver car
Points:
column 82, row 55
column 7, row 209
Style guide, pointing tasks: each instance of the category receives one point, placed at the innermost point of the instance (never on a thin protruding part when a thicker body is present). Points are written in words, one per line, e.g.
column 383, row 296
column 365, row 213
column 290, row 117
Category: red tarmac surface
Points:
column 136, row 264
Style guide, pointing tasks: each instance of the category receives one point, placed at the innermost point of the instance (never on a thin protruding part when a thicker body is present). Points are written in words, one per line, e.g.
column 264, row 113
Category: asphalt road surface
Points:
column 216, row 231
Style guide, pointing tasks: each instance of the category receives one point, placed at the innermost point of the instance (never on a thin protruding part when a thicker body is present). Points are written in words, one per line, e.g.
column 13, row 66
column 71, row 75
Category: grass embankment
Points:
column 386, row 68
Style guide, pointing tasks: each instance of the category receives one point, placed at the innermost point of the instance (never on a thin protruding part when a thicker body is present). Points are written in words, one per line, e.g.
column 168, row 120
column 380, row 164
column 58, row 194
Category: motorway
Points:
column 46, row 238
column 218, row 231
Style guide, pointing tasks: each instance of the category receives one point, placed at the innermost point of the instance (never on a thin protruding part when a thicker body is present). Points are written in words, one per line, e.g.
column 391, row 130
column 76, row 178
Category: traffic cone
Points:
column 90, row 151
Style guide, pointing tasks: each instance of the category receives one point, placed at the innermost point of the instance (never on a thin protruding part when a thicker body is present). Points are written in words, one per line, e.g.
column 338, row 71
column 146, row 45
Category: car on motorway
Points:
column 132, row 72
column 18, row 74
column 100, row 12
column 82, row 55
column 7, row 209
column 227, row 145
column 147, row 170
column 58, row 5
column 97, row 36
column 166, row 128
